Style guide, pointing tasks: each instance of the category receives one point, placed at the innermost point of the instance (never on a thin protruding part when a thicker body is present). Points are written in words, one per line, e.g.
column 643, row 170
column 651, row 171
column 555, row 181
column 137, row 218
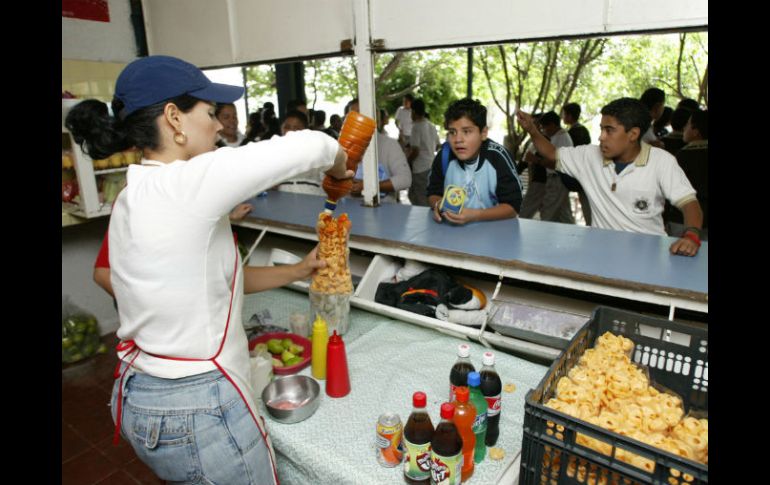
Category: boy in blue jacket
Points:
column 482, row 167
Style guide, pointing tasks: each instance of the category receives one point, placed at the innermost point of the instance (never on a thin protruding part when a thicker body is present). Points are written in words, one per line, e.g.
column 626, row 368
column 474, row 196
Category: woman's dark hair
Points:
column 100, row 135
column 256, row 128
column 273, row 128
column 630, row 113
column 470, row 108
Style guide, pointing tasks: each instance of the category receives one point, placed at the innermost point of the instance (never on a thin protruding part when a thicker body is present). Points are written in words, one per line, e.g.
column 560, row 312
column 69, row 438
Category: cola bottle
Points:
column 458, row 376
column 491, row 388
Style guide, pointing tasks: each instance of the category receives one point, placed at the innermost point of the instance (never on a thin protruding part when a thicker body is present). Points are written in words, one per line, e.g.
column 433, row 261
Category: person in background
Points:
column 556, row 205
column 580, row 136
column 673, row 141
column 626, row 181
column 481, row 166
column 537, row 177
column 175, row 268
column 693, row 158
column 659, row 127
column 308, row 182
column 423, row 144
column 689, row 104
column 393, row 170
column 403, row 119
column 297, row 105
column 227, row 115
column 254, row 128
column 655, row 101
column 335, row 126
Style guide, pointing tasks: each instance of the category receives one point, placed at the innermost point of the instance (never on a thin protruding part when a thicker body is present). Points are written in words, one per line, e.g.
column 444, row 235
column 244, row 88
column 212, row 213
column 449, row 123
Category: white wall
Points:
column 79, row 247
column 112, row 41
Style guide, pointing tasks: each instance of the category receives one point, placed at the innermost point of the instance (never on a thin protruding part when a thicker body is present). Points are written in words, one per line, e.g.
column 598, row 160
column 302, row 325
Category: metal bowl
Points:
column 291, row 399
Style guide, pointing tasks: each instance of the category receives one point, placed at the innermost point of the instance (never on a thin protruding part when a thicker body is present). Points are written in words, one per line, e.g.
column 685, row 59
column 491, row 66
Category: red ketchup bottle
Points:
column 356, row 133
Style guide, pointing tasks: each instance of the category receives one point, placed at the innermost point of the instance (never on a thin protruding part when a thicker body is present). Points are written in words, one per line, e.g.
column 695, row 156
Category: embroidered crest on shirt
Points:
column 641, row 205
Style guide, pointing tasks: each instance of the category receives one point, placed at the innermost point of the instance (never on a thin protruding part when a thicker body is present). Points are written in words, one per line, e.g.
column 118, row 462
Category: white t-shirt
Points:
column 559, row 139
column 641, row 189
column 391, row 156
column 649, row 135
column 173, row 258
column 239, row 138
column 424, row 137
column 404, row 120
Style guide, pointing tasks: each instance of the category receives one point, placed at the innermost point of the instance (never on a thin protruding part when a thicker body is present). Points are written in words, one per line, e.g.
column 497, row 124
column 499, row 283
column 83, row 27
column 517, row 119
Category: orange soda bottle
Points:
column 355, row 135
column 465, row 414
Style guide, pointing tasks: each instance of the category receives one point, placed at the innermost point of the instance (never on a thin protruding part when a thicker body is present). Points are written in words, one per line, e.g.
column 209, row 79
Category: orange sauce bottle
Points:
column 356, row 133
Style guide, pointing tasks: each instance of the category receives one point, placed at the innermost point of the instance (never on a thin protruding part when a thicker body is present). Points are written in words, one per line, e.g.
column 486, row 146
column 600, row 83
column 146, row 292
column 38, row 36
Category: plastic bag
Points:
column 79, row 334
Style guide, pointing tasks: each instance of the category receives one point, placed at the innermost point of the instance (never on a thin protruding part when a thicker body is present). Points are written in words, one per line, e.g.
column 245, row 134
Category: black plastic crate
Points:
column 676, row 355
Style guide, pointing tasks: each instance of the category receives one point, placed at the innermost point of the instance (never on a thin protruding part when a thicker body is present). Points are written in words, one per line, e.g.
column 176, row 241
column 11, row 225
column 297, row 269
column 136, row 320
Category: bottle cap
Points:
column 335, row 339
column 474, row 379
column 488, row 358
column 462, row 393
column 419, row 399
column 319, row 323
column 447, row 410
column 463, row 350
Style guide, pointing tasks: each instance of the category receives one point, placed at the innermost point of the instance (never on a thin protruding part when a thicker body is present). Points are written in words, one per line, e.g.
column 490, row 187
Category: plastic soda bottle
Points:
column 356, row 133
column 480, row 423
column 465, row 415
column 491, row 388
column 418, row 433
column 446, row 454
column 320, row 342
column 458, row 376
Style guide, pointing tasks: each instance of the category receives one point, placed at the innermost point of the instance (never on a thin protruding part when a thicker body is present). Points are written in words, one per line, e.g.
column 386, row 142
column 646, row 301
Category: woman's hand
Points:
column 339, row 170
column 308, row 266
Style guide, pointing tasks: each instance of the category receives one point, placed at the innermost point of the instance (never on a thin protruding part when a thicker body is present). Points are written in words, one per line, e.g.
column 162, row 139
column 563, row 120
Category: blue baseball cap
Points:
column 152, row 79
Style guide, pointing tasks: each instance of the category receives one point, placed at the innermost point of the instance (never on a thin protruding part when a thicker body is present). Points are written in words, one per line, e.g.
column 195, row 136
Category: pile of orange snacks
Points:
column 606, row 389
column 333, row 248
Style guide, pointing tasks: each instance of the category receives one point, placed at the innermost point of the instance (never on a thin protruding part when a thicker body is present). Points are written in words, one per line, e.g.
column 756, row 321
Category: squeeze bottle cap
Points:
column 319, row 323
column 447, row 410
column 462, row 393
column 463, row 350
column 419, row 399
column 488, row 358
column 474, row 379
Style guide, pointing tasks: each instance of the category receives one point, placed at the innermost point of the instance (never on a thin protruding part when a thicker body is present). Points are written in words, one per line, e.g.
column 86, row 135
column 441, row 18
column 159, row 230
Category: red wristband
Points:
column 692, row 237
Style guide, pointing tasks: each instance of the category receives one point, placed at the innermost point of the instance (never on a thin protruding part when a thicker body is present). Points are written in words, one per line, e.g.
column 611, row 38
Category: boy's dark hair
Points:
column 350, row 103
column 319, row 117
column 409, row 96
column 688, row 104
column 630, row 113
column 334, row 118
column 653, row 96
column 294, row 104
column 700, row 121
column 470, row 108
column 220, row 106
column 296, row 114
column 572, row 109
column 268, row 105
column 550, row 118
column 679, row 118
column 418, row 106
column 100, row 135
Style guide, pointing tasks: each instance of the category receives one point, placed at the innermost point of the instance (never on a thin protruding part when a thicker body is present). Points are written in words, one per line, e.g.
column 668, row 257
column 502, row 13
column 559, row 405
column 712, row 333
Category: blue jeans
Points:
column 193, row 430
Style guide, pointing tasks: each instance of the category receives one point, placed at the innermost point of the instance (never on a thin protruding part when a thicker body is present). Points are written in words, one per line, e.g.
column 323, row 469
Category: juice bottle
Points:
column 355, row 135
column 446, row 454
column 465, row 414
column 491, row 388
column 458, row 376
column 417, row 436
column 480, row 423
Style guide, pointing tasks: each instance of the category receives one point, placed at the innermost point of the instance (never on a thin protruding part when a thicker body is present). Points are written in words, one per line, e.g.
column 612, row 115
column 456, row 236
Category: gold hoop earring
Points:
column 180, row 137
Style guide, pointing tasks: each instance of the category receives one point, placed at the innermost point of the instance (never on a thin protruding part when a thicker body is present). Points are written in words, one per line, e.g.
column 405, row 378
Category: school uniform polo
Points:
column 632, row 200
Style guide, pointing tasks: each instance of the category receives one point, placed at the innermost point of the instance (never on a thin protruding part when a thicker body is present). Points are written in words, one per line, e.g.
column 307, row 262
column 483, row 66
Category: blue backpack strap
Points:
column 444, row 157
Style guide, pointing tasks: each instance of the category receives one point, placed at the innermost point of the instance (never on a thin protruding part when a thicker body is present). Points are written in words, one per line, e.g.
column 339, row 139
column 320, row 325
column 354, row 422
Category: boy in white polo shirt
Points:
column 626, row 181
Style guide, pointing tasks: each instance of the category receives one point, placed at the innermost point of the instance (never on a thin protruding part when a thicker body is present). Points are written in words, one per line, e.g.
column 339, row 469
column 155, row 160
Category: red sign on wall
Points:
column 97, row 10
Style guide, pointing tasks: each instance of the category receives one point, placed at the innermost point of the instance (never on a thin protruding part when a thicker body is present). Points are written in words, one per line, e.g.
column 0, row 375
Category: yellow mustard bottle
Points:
column 320, row 340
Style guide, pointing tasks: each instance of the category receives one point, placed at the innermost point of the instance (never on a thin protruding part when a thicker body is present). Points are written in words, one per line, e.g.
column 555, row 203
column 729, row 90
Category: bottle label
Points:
column 480, row 423
column 452, row 389
column 417, row 460
column 446, row 470
column 494, row 403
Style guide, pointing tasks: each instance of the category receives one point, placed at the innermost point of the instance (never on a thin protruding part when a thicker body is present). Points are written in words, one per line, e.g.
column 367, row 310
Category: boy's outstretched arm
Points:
column 543, row 146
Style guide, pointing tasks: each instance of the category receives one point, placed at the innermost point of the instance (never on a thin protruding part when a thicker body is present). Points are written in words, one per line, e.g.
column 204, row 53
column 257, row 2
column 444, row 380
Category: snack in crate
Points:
column 606, row 389
column 333, row 248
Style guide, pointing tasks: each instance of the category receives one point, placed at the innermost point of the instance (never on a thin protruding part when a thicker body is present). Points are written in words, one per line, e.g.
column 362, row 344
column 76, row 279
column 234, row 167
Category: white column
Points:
column 366, row 96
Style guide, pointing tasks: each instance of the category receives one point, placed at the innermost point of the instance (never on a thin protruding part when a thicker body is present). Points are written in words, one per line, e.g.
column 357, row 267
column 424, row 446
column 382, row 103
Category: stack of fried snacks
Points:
column 333, row 248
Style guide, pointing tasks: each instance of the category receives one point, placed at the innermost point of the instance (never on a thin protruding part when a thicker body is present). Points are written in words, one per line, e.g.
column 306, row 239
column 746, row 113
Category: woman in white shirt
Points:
column 182, row 396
